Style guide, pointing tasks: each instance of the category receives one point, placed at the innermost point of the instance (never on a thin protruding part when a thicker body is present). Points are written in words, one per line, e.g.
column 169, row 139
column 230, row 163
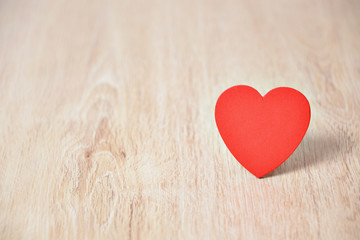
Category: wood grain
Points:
column 107, row 119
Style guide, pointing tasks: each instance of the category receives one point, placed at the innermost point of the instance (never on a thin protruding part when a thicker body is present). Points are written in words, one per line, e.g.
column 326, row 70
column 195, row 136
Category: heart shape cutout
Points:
column 262, row 132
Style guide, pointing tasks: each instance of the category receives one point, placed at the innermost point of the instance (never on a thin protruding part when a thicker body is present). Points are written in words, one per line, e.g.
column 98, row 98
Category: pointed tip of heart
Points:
column 262, row 175
column 259, row 176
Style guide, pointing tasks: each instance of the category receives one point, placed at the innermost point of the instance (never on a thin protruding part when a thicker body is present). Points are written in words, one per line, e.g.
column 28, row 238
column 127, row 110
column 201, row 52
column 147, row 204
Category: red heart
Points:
column 262, row 132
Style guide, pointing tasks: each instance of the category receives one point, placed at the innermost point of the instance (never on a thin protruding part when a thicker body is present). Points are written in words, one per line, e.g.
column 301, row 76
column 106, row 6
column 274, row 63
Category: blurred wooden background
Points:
column 107, row 126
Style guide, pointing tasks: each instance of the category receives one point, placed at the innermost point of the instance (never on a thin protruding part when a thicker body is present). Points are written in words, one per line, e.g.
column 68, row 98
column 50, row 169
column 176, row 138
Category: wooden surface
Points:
column 107, row 126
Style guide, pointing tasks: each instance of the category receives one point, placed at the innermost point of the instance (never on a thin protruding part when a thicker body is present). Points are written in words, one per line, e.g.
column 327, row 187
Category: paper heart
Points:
column 262, row 132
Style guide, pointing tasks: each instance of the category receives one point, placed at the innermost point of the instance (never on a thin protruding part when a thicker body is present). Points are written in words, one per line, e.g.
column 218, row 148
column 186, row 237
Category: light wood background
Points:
column 107, row 126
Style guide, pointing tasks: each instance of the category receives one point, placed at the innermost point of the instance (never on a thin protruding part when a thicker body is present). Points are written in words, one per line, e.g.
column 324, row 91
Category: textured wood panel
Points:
column 107, row 123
